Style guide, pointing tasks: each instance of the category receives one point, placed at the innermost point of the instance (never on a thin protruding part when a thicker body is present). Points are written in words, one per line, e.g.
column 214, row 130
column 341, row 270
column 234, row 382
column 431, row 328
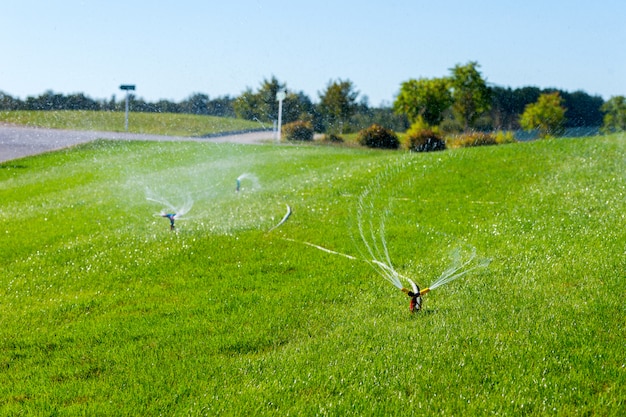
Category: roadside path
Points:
column 19, row 141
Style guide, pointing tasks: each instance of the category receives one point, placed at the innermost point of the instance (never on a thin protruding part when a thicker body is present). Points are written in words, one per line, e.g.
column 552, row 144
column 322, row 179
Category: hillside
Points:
column 105, row 310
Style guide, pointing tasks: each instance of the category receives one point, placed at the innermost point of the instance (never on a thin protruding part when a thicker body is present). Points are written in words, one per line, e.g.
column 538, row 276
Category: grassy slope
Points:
column 103, row 310
column 147, row 123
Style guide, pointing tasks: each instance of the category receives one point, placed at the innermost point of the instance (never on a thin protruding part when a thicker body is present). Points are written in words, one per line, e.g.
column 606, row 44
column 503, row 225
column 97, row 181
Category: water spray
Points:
column 390, row 274
column 171, row 213
column 455, row 271
column 375, row 253
column 283, row 220
column 323, row 249
column 250, row 177
column 376, row 248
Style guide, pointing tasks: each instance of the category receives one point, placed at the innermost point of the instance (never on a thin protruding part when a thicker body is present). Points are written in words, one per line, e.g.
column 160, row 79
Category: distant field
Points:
column 105, row 311
column 148, row 123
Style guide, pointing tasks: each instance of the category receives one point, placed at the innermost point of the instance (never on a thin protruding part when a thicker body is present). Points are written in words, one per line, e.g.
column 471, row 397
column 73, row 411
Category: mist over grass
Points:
column 104, row 310
column 170, row 124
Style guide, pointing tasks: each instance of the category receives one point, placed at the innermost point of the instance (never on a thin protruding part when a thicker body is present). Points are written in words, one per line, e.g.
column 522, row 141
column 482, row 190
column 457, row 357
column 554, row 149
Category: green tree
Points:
column 221, row 106
column 546, row 115
column 614, row 115
column 197, row 103
column 384, row 116
column 472, row 96
column 582, row 109
column 424, row 100
column 166, row 106
column 8, row 103
column 246, row 105
column 298, row 107
column 507, row 105
column 337, row 105
column 261, row 105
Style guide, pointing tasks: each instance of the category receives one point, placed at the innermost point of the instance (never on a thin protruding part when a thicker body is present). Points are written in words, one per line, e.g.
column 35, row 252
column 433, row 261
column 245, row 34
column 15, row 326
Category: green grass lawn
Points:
column 147, row 123
column 105, row 311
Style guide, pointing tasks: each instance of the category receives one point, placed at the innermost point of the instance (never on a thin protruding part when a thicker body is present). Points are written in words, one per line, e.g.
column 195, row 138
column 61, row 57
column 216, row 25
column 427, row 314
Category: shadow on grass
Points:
column 9, row 166
column 428, row 311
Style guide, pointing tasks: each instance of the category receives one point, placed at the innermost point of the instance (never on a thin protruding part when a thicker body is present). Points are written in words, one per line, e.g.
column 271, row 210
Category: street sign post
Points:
column 127, row 88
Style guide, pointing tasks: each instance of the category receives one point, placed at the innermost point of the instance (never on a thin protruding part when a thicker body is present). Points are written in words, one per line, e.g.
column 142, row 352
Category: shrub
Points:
column 504, row 137
column 424, row 140
column 298, row 130
column 467, row 140
column 377, row 136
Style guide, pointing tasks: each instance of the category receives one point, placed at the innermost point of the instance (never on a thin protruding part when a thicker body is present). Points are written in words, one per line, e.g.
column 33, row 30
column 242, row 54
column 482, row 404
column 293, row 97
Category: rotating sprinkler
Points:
column 416, row 297
column 172, row 213
column 390, row 274
column 251, row 178
column 375, row 253
column 171, row 217
column 377, row 256
column 381, row 262
column 455, row 271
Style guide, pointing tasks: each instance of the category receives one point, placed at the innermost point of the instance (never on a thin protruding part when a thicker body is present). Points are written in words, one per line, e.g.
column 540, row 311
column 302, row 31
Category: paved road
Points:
column 18, row 141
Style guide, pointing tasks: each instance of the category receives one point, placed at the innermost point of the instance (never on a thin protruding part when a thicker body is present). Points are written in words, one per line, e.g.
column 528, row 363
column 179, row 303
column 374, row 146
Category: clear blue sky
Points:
column 171, row 49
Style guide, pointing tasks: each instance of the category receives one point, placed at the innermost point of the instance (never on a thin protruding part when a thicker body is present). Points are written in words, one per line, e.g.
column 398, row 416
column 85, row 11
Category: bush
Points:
column 467, row 140
column 480, row 139
column 377, row 136
column 424, row 140
column 298, row 130
column 504, row 137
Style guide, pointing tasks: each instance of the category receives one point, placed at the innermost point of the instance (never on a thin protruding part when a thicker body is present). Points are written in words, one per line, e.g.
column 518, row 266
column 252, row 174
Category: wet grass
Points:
column 104, row 311
column 146, row 123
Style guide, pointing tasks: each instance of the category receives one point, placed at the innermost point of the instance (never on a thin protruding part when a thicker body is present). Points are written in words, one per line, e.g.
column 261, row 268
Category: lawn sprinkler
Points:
column 390, row 274
column 416, row 296
column 375, row 253
column 375, row 249
column 455, row 271
column 387, row 271
column 172, row 213
column 171, row 217
column 249, row 178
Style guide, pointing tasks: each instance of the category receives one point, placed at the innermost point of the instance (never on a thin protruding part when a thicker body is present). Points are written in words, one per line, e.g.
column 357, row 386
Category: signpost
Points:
column 127, row 88
column 280, row 96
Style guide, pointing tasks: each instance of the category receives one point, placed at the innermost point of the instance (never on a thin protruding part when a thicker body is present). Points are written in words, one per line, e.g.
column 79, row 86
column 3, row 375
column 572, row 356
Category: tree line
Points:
column 196, row 104
column 462, row 101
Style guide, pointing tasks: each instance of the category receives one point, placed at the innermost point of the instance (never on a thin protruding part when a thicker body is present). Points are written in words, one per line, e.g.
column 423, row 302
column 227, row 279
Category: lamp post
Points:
column 127, row 88
column 280, row 96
